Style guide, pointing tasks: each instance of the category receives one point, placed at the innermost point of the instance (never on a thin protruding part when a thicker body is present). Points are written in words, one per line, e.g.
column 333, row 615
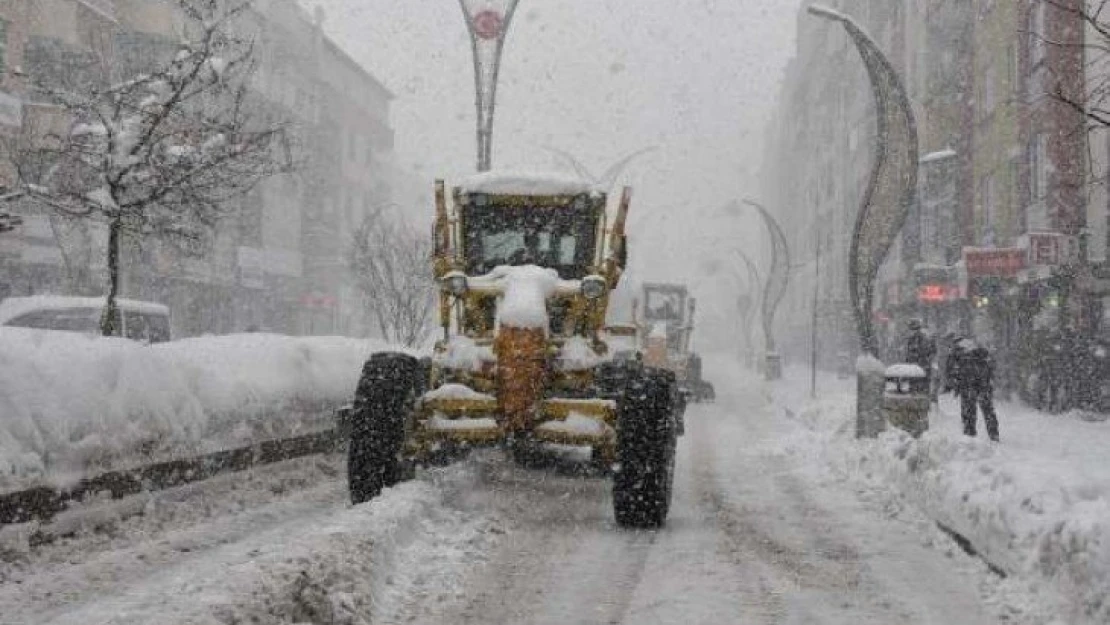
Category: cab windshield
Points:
column 558, row 238
column 663, row 305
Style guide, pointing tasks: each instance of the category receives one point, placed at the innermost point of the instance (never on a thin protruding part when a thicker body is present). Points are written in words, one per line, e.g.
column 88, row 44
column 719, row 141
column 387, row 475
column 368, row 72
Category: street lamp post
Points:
column 487, row 22
column 891, row 191
column 754, row 280
column 774, row 290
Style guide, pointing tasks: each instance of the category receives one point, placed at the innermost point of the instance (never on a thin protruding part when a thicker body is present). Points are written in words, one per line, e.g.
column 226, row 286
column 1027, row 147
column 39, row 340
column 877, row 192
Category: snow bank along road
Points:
column 755, row 536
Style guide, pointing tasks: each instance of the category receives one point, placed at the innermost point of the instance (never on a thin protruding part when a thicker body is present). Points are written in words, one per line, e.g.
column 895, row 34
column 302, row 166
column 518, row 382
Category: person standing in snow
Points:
column 969, row 372
column 921, row 349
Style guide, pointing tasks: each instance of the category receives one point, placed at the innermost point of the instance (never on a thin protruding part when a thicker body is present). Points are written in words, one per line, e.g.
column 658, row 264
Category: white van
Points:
column 141, row 321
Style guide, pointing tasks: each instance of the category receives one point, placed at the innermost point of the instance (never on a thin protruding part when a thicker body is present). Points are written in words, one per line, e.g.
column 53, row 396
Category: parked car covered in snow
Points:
column 148, row 322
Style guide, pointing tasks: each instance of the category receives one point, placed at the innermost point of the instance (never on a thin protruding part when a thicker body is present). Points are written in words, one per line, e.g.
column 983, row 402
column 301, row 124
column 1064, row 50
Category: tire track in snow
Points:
column 562, row 559
column 800, row 569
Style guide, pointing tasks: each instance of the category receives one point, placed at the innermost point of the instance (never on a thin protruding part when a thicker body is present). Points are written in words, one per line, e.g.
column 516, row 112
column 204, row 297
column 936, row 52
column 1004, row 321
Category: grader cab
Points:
column 666, row 331
column 525, row 265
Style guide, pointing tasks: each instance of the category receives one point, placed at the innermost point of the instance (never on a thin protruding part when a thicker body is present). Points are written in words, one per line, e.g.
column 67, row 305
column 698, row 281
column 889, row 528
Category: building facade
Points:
column 278, row 263
column 999, row 241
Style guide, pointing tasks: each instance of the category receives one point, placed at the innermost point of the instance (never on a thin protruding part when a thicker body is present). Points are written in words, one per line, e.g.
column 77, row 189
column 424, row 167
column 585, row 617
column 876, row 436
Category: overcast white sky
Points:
column 598, row 79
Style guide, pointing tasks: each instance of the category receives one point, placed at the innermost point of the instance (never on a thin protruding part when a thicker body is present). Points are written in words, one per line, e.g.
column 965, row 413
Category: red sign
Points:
column 936, row 293
column 1001, row 262
column 317, row 300
column 487, row 24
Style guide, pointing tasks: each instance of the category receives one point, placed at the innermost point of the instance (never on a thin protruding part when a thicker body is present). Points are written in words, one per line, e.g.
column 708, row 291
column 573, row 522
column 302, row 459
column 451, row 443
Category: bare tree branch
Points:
column 391, row 265
column 164, row 153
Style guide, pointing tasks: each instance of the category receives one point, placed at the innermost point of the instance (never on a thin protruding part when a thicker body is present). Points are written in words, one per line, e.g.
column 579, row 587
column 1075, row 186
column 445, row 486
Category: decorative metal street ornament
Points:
column 487, row 21
column 892, row 187
column 746, row 303
column 891, row 191
column 606, row 180
column 774, row 289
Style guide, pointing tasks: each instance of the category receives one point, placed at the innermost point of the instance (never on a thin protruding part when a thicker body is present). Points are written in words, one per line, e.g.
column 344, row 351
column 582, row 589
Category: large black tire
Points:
column 645, row 450
column 384, row 399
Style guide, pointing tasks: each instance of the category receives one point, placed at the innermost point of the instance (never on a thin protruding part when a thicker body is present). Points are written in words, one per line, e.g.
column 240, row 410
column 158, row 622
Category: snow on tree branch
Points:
column 165, row 152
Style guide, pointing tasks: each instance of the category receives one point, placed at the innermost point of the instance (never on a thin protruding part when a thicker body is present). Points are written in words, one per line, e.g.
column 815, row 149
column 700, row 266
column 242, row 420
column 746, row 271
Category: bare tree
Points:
column 163, row 153
column 1093, row 38
column 391, row 265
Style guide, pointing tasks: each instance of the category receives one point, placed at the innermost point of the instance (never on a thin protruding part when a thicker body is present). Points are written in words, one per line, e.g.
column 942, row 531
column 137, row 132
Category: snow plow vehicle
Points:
column 666, row 330
column 525, row 266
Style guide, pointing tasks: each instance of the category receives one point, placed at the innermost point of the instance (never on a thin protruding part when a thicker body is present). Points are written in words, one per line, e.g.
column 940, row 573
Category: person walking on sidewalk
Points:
column 969, row 372
column 921, row 349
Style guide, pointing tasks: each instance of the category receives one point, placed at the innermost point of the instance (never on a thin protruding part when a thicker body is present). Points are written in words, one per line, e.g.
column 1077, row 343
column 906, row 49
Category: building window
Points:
column 1036, row 217
column 986, row 101
column 987, row 217
column 3, row 47
column 1037, row 35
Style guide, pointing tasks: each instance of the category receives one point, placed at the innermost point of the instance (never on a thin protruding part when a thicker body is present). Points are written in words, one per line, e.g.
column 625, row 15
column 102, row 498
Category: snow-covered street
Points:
column 762, row 530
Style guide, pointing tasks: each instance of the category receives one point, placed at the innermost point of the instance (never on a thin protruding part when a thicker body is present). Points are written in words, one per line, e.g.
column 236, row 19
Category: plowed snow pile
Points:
column 70, row 403
column 1037, row 505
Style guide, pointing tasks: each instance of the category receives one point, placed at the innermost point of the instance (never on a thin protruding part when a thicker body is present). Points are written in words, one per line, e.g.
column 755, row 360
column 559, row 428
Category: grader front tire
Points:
column 385, row 396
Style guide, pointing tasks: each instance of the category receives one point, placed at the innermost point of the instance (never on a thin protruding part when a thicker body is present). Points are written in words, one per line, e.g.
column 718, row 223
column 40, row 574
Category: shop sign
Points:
column 935, row 283
column 937, row 293
column 1000, row 262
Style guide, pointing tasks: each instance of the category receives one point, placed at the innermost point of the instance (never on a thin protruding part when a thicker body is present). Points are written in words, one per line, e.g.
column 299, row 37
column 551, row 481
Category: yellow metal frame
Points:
column 469, row 315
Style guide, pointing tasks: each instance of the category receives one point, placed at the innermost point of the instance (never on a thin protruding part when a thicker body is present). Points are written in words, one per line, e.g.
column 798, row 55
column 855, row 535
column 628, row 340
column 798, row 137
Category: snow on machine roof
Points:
column 526, row 183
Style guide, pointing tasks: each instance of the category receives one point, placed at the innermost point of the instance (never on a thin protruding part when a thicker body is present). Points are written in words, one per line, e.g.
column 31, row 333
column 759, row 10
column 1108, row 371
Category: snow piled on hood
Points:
column 524, row 293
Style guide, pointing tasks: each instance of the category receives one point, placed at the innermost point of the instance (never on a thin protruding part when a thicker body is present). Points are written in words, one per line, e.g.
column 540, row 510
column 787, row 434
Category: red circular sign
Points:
column 487, row 24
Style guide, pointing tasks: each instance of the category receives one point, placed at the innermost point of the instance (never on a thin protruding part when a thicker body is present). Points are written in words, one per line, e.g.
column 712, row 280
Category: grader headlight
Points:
column 455, row 283
column 593, row 287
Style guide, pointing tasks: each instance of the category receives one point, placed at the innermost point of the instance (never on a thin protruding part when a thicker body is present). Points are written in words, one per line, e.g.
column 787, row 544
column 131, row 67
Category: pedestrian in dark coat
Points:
column 969, row 373
column 921, row 349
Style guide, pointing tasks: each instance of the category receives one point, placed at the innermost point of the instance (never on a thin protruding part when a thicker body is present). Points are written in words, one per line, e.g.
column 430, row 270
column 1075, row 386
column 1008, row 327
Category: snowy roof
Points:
column 13, row 307
column 525, row 183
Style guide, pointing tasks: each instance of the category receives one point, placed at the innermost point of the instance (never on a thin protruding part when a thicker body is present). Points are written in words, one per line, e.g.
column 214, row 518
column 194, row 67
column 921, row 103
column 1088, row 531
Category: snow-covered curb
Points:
column 72, row 404
column 335, row 564
column 1044, row 518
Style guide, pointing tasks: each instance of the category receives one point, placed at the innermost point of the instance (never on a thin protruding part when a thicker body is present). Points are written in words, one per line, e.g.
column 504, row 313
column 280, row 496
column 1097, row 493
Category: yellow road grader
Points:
column 666, row 327
column 525, row 266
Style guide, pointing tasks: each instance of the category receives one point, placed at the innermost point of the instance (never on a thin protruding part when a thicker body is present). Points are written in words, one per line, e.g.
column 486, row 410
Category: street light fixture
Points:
column 775, row 288
column 891, row 191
